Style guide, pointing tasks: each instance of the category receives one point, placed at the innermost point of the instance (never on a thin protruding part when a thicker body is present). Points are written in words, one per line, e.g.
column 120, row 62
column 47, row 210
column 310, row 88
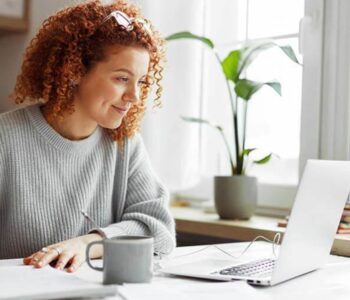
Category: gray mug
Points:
column 126, row 259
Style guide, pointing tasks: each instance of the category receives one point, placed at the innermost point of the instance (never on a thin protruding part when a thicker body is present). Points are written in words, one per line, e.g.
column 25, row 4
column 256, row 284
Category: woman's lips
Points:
column 120, row 110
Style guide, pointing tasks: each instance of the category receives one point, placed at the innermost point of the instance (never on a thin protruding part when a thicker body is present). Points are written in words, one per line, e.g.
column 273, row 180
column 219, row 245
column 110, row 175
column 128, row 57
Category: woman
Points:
column 88, row 72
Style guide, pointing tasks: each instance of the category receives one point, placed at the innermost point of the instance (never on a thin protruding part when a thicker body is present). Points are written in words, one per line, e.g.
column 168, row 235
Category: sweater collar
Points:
column 58, row 141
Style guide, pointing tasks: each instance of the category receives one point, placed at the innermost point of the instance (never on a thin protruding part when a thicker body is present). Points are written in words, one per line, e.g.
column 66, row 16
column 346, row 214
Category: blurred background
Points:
column 310, row 120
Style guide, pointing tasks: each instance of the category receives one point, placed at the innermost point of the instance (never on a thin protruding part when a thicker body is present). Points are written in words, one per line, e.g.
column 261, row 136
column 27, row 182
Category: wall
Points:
column 12, row 47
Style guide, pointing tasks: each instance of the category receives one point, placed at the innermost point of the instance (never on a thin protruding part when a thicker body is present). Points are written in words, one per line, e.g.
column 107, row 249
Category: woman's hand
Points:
column 70, row 253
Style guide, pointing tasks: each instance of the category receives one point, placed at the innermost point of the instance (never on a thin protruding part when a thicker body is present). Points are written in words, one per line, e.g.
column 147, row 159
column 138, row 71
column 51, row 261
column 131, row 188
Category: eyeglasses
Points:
column 125, row 21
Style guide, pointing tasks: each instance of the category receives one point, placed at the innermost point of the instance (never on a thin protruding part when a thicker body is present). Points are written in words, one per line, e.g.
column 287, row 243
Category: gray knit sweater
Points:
column 46, row 180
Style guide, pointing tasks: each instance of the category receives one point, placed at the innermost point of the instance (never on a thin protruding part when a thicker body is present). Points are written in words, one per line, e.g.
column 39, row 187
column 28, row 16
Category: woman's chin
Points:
column 111, row 125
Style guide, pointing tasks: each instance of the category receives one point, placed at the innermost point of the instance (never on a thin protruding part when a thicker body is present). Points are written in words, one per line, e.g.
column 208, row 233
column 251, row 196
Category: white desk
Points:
column 330, row 282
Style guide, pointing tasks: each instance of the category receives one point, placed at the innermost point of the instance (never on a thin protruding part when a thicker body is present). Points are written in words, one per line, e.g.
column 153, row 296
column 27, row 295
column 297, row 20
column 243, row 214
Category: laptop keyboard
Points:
column 257, row 268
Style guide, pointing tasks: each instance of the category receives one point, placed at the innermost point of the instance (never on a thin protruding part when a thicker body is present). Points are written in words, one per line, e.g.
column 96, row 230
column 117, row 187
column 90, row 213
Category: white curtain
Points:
column 186, row 155
column 172, row 143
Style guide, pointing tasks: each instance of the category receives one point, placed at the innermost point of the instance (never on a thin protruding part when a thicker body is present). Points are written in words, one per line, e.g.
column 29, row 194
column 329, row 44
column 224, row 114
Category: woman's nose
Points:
column 132, row 94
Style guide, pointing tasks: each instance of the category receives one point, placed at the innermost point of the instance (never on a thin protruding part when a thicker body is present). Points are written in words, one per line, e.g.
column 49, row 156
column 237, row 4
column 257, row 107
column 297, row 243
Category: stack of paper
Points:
column 26, row 282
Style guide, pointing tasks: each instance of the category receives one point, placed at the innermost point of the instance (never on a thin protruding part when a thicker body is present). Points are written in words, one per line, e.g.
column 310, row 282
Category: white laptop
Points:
column 307, row 242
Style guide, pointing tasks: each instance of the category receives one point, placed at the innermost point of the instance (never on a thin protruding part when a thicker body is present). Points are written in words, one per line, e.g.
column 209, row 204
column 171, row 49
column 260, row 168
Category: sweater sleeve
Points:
column 146, row 210
column 2, row 167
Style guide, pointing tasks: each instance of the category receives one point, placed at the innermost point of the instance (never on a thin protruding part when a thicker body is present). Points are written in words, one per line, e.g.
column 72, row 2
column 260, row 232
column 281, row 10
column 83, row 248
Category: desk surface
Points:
column 196, row 221
column 330, row 282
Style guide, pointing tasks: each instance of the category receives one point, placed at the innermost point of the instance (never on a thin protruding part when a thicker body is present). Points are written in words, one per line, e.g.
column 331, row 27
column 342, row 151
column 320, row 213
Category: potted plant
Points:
column 236, row 195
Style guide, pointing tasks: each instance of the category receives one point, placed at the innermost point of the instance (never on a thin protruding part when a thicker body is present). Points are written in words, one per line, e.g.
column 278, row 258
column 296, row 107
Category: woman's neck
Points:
column 71, row 126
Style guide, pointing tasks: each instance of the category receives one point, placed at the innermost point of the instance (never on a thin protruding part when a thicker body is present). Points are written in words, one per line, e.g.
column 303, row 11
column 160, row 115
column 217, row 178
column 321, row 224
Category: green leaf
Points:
column 230, row 65
column 189, row 35
column 288, row 50
column 201, row 121
column 264, row 160
column 276, row 86
column 248, row 151
column 246, row 88
column 251, row 52
column 196, row 120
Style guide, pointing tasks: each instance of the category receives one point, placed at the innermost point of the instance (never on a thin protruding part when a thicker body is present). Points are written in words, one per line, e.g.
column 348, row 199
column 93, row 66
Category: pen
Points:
column 90, row 219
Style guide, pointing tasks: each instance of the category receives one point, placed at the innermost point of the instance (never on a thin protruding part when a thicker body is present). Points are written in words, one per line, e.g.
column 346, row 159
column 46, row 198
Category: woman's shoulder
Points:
column 137, row 149
column 135, row 142
column 13, row 117
column 11, row 121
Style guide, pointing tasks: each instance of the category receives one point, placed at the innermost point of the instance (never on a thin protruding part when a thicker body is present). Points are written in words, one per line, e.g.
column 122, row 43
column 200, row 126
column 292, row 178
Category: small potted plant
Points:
column 236, row 195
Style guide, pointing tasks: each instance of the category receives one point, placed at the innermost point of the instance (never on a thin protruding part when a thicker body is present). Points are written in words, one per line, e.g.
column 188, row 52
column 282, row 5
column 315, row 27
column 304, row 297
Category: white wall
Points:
column 12, row 47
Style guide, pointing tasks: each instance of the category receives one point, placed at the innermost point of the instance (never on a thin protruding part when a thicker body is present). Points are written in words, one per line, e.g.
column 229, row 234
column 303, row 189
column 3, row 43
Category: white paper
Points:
column 18, row 281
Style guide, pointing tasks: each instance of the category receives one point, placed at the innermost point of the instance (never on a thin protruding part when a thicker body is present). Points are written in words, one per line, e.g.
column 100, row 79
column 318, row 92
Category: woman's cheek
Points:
column 112, row 91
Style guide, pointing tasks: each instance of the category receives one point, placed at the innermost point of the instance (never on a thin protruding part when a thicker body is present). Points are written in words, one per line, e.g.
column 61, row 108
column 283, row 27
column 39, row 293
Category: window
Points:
column 273, row 122
column 315, row 127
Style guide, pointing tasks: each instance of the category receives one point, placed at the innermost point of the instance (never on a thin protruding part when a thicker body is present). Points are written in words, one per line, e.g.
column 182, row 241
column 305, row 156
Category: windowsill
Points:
column 269, row 197
column 196, row 221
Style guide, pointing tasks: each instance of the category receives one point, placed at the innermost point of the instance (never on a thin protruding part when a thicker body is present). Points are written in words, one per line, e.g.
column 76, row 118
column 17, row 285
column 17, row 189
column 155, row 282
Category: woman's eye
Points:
column 143, row 82
column 122, row 79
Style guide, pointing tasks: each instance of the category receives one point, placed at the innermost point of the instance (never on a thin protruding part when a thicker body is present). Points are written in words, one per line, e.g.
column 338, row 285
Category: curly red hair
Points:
column 69, row 43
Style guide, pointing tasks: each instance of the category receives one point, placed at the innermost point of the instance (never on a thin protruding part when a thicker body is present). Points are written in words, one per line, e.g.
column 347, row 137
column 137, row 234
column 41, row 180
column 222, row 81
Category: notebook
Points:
column 18, row 281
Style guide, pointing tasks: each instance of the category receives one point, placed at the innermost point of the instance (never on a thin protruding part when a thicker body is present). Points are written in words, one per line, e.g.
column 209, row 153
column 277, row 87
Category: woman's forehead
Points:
column 135, row 59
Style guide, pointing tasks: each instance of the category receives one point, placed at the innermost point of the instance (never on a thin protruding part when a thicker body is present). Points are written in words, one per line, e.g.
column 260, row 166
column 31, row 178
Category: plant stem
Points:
column 235, row 121
column 235, row 124
column 235, row 128
column 235, row 170
column 228, row 149
column 244, row 131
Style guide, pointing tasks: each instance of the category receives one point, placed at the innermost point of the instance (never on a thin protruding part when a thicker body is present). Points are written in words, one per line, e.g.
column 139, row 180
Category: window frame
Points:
column 335, row 127
column 326, row 97
column 311, row 41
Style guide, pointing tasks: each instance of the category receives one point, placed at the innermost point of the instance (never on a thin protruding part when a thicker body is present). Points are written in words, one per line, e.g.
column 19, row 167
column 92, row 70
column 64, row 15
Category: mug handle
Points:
column 88, row 255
